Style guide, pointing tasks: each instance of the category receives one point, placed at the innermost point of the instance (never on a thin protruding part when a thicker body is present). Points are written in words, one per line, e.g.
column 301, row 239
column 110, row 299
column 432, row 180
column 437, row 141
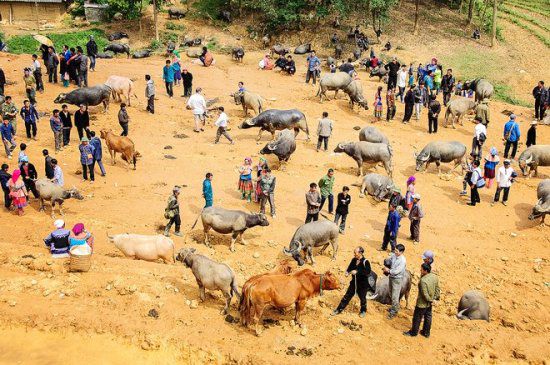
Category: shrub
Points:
column 27, row 44
column 173, row 26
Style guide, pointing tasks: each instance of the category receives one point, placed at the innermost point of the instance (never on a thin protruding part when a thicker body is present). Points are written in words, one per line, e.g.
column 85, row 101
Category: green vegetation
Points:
column 27, row 44
column 173, row 26
column 502, row 93
column 531, row 30
column 523, row 16
column 529, row 8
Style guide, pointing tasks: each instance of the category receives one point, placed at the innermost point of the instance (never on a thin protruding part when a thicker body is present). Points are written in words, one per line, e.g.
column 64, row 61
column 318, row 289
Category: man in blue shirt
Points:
column 207, row 190
column 168, row 77
column 511, row 136
column 30, row 116
column 95, row 142
column 8, row 137
column 313, row 64
column 391, row 229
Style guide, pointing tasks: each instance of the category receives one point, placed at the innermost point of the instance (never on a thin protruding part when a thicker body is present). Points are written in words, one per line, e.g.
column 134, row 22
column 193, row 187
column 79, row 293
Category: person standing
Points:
column 48, row 166
column 245, row 180
column 221, row 123
column 187, row 78
column 402, row 76
column 123, row 119
column 434, row 108
column 30, row 85
column 82, row 68
column 342, row 208
column 267, row 188
column 482, row 112
column 18, row 192
column 409, row 104
column 8, row 137
column 396, row 271
column 391, row 229
column 82, row 121
column 197, row 104
column 172, row 212
column 2, row 82
column 480, row 135
column 5, row 177
column 30, row 117
column 150, row 94
column 168, row 77
column 392, row 68
column 325, row 185
column 476, row 182
column 313, row 201
column 324, row 131
column 390, row 104
column 57, row 174
column 360, row 270
column 36, row 70
column 540, row 93
column 416, row 213
column 95, row 142
column 428, row 291
column 491, row 162
column 411, row 188
column 420, row 97
column 532, row 134
column 511, row 136
column 29, row 175
column 505, row 178
column 51, row 65
column 447, row 86
column 9, row 112
column 65, row 116
column 378, row 106
column 313, row 64
column 91, row 50
column 438, row 78
column 86, row 158
column 207, row 193
column 57, row 128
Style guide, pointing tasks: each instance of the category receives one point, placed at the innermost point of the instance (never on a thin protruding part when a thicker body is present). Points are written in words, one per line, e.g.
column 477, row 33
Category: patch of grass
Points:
column 155, row 45
column 173, row 26
column 529, row 29
column 529, row 8
column 525, row 17
column 166, row 37
column 213, row 45
column 27, row 44
column 503, row 93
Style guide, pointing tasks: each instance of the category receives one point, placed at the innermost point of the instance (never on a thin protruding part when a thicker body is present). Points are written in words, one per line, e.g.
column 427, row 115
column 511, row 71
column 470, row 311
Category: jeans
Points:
column 81, row 133
column 85, row 172
column 66, row 135
column 169, row 88
column 350, row 293
column 31, row 95
column 30, row 127
column 330, row 202
column 324, row 140
column 432, row 124
column 57, row 137
column 343, row 223
column 474, row 196
column 311, row 74
column 505, row 197
column 312, row 217
column 101, row 167
column 270, row 197
column 92, row 62
column 395, row 291
column 187, row 90
column 446, row 97
column 420, row 313
column 415, row 230
column 52, row 74
column 222, row 131
column 83, row 78
column 388, row 239
column 9, row 149
column 151, row 104
column 124, row 129
column 514, row 146
column 174, row 220
column 539, row 109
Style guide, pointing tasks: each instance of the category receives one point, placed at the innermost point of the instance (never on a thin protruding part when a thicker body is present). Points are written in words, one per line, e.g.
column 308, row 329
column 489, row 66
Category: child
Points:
column 458, row 88
column 177, row 70
column 491, row 162
column 66, row 79
column 22, row 154
column 411, row 182
column 378, row 106
column 468, row 175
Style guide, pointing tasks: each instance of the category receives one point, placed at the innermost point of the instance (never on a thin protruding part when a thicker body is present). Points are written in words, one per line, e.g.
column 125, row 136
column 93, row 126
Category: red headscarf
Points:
column 15, row 175
column 78, row 228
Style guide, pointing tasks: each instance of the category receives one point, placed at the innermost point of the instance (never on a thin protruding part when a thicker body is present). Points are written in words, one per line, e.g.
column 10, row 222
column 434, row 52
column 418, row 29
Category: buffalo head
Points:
column 341, row 147
column 247, row 123
column 524, row 164
column 269, row 148
column 238, row 97
column 60, row 98
column 294, row 252
column 183, row 255
column 421, row 159
column 72, row 193
column 259, row 219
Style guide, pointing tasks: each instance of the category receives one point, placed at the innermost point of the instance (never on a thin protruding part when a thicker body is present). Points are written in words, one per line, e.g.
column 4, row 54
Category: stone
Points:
column 12, row 303
column 303, row 332
column 504, row 258
column 153, row 313
column 340, row 330
column 46, row 293
column 193, row 304
column 118, row 16
column 519, row 354
column 256, row 255
column 513, row 234
column 507, row 323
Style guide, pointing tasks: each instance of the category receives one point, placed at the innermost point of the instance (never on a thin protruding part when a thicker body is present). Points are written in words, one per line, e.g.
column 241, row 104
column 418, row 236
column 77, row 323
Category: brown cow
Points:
column 122, row 145
column 281, row 291
column 285, row 267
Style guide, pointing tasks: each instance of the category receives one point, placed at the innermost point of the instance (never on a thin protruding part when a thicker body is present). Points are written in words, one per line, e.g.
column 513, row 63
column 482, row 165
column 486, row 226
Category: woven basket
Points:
column 80, row 263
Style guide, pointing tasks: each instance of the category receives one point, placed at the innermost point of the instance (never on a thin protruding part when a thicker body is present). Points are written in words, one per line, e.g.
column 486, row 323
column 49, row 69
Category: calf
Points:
column 283, row 147
column 118, row 48
column 142, row 247
column 473, row 305
column 533, row 157
column 90, row 96
column 441, row 151
column 382, row 293
column 457, row 108
column 121, row 86
column 47, row 190
column 237, row 53
column 120, row 144
column 310, row 235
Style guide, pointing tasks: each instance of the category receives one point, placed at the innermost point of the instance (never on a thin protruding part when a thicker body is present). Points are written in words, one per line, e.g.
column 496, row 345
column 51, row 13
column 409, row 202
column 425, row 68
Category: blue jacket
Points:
column 85, row 151
column 7, row 132
column 29, row 116
column 58, row 241
column 207, row 189
column 313, row 62
column 95, row 142
column 429, row 82
column 168, row 74
column 392, row 223
column 513, row 128
column 56, row 125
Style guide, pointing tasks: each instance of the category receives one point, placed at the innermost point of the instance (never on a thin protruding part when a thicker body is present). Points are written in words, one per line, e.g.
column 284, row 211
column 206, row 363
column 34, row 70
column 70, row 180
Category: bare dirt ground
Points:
column 51, row 316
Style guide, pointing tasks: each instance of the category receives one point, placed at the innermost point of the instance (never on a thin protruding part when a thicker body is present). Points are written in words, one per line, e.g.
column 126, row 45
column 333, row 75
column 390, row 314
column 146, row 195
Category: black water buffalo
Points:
column 237, row 53
column 104, row 55
column 142, row 54
column 283, row 147
column 91, row 96
column 276, row 120
column 379, row 71
column 225, row 15
column 177, row 13
column 118, row 48
column 118, row 35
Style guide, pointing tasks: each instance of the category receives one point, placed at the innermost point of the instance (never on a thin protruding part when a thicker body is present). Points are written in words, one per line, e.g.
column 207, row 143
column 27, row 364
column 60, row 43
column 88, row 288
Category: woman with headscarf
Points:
column 378, row 106
column 411, row 181
column 261, row 167
column 79, row 236
column 245, row 179
column 18, row 192
column 489, row 170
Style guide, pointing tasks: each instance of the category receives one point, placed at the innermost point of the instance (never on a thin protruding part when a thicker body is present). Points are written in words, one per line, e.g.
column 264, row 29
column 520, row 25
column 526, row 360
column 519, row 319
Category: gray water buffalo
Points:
column 249, row 100
column 282, row 147
column 279, row 49
column 276, row 120
column 237, row 53
column 473, row 305
column 55, row 194
column 379, row 72
column 543, row 203
column 234, row 222
column 379, row 186
column 117, row 36
column 310, row 235
column 483, row 88
column 143, row 247
column 355, row 93
column 382, row 293
column 533, row 157
column 303, row 49
column 89, row 96
column 105, row 55
column 210, row 275
column 190, row 42
column 440, row 151
column 118, row 48
column 144, row 53
column 367, row 152
column 373, row 135
column 121, row 87
column 457, row 108
column 177, row 13
column 333, row 81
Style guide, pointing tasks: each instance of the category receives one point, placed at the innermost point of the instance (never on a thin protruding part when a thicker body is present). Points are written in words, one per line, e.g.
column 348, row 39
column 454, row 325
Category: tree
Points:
column 416, row 6
column 494, row 31
column 155, row 12
column 470, row 11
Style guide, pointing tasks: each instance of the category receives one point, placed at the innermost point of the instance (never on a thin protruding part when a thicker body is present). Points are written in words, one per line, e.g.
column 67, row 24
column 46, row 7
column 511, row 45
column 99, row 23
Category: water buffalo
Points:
column 210, row 275
column 47, row 190
column 276, row 120
column 175, row 12
column 117, row 36
column 357, row 53
column 379, row 72
column 237, row 53
column 310, row 235
column 333, row 81
column 457, row 108
column 234, row 222
column 279, row 49
column 473, row 305
column 382, row 293
column 225, row 15
column 440, row 151
column 118, row 48
column 533, row 157
column 379, row 186
column 303, row 49
column 373, row 135
column 266, row 39
column 543, row 203
column 282, row 147
column 190, row 42
column 89, row 96
column 249, row 101
column 367, row 152
column 121, row 86
column 355, row 93
column 142, row 247
column 105, row 55
column 193, row 52
column 483, row 88
column 144, row 53
column 122, row 145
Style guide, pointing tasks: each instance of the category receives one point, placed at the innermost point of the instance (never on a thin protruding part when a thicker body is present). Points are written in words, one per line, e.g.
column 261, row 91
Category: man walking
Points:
column 540, row 93
column 396, row 271
column 325, row 185
column 87, row 159
column 48, row 166
column 476, row 181
column 30, row 85
column 392, row 68
column 402, row 76
column 82, row 68
column 8, row 137
column 313, row 201
column 511, row 136
column 415, row 215
column 91, row 50
column 187, row 79
column 172, row 212
column 123, row 119
column 313, row 64
column 221, row 123
column 434, row 108
column 197, row 104
column 150, row 94
column 36, row 70
column 9, row 112
column 447, row 86
column 359, row 269
column 82, row 121
column 342, row 208
column 267, row 187
column 207, row 193
column 30, row 117
column 428, row 291
column 480, row 135
column 65, row 116
column 168, row 77
column 98, row 152
column 391, row 229
column 51, row 65
column 4, row 178
column 505, row 178
column 57, row 128
column 324, row 130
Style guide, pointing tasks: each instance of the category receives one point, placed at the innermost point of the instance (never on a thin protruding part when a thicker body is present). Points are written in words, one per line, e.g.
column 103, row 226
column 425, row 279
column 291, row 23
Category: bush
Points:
column 166, row 37
column 173, row 26
column 27, row 44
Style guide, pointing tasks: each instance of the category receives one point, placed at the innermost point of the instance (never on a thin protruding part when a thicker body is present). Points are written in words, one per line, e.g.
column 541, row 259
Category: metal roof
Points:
column 34, row 1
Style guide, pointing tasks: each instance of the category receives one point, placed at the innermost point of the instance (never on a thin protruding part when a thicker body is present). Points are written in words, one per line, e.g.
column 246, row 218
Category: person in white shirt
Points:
column 480, row 135
column 37, row 73
column 57, row 174
column 221, row 123
column 197, row 104
column 402, row 76
column 505, row 177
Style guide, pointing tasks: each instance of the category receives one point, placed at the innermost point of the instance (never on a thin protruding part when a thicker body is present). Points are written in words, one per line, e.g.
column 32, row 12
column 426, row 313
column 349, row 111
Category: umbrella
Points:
column 43, row 40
